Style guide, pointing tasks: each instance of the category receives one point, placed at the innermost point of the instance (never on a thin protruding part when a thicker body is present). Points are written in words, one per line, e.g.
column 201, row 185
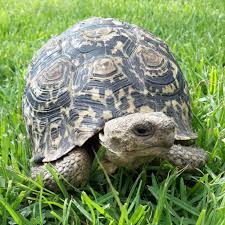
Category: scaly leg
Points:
column 75, row 167
column 190, row 157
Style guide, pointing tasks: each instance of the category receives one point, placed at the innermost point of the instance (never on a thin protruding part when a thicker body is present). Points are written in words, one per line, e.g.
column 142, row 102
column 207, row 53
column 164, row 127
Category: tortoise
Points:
column 109, row 82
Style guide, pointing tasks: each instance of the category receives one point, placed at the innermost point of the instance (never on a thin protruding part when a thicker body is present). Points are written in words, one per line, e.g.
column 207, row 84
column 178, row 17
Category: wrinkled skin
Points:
column 139, row 138
column 130, row 141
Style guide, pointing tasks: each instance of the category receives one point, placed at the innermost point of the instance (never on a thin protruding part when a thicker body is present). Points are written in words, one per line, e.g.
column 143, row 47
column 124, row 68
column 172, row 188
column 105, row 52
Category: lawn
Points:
column 195, row 32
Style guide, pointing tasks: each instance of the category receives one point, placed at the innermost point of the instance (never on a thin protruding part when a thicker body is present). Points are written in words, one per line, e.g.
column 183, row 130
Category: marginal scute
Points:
column 97, row 70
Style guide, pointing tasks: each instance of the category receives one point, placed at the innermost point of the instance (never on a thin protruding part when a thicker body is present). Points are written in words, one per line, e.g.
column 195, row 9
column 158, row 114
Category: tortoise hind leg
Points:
column 75, row 167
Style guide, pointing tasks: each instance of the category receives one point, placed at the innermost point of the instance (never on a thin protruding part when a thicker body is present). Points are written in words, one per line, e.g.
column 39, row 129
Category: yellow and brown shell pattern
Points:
column 97, row 70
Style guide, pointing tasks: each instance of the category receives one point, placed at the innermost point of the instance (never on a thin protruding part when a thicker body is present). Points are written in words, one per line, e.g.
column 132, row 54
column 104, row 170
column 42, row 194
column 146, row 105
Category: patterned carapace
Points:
column 97, row 70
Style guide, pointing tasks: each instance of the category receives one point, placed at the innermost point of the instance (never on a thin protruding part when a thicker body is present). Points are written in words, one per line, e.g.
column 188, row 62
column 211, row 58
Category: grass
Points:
column 195, row 33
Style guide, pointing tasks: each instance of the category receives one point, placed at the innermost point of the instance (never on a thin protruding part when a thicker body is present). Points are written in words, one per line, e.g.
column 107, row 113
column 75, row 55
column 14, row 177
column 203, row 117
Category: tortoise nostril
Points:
column 115, row 141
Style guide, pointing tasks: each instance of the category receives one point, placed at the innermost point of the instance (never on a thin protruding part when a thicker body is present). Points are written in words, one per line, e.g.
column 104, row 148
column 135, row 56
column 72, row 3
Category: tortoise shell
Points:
column 97, row 70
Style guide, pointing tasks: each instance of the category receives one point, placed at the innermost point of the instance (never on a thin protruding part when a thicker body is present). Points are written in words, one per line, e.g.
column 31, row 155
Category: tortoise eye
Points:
column 143, row 130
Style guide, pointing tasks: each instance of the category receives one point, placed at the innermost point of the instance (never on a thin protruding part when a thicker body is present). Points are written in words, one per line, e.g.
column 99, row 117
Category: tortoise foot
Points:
column 188, row 157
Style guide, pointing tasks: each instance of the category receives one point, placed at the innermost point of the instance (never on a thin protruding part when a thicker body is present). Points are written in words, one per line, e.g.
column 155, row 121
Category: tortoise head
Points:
column 136, row 138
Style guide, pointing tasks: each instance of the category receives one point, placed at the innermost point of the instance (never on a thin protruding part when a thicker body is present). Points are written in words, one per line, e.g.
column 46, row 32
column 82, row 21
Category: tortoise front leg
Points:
column 190, row 157
column 75, row 167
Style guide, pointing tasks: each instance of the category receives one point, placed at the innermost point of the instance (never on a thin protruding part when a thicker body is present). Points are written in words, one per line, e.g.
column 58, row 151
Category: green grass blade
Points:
column 82, row 210
column 201, row 218
column 138, row 214
column 96, row 206
column 16, row 216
